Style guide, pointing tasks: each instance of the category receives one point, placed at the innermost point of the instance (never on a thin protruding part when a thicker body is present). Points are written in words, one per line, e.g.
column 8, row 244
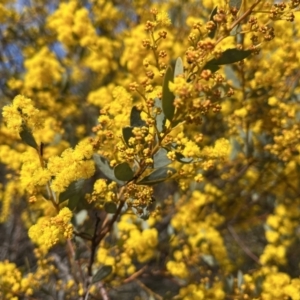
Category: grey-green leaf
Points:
column 183, row 159
column 127, row 134
column 229, row 282
column 235, row 3
column 110, row 207
column 72, row 192
column 135, row 118
column 167, row 96
column 73, row 201
column 157, row 176
column 102, row 273
column 213, row 31
column 211, row 67
column 179, row 70
column 103, row 164
column 240, row 278
column 161, row 118
column 28, row 138
column 160, row 158
column 209, row 259
column 123, row 172
column 230, row 56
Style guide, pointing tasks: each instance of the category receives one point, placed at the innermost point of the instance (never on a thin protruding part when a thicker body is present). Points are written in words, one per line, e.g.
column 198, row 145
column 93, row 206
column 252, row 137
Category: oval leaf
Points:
column 73, row 201
column 211, row 67
column 157, row 176
column 167, row 96
column 127, row 134
column 28, row 138
column 135, row 118
column 179, row 70
column 103, row 164
column 110, row 207
column 235, row 3
column 161, row 118
column 213, row 32
column 183, row 159
column 240, row 278
column 73, row 191
column 123, row 172
column 229, row 56
column 160, row 158
column 102, row 273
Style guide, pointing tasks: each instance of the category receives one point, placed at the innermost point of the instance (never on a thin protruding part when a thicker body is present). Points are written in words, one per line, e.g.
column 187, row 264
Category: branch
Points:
column 242, row 245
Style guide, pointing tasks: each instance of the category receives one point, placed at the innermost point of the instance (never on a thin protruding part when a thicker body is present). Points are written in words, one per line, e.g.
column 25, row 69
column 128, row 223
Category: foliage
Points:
column 149, row 148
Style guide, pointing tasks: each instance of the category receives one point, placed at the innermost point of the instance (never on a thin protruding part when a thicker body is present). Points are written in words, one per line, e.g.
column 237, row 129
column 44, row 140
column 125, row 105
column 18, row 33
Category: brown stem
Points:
column 135, row 275
column 242, row 17
column 242, row 245
column 93, row 247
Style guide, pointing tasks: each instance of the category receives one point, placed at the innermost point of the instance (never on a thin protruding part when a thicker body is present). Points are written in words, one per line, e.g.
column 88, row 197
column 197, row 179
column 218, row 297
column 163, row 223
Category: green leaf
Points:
column 167, row 96
column 135, row 118
column 209, row 259
column 213, row 32
column 236, row 148
column 103, row 164
column 240, row 278
column 80, row 217
column 110, row 207
column 102, row 273
column 157, row 176
column 231, row 75
column 123, row 172
column 127, row 134
column 211, row 67
column 179, row 70
column 144, row 214
column 229, row 282
column 235, row 3
column 161, row 118
column 183, row 159
column 229, row 56
column 27, row 137
column 161, row 159
column 72, row 192
column 73, row 202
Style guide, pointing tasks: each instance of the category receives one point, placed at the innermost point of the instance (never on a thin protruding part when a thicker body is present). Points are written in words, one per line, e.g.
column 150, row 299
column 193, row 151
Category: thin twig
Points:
column 135, row 275
column 93, row 247
column 242, row 245
column 150, row 292
column 103, row 291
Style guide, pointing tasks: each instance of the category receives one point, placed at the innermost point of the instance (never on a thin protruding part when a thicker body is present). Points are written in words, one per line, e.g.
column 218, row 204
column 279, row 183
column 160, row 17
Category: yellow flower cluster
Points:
column 32, row 175
column 72, row 24
column 22, row 112
column 8, row 195
column 203, row 237
column 48, row 231
column 102, row 192
column 201, row 292
column 43, row 71
column 121, row 263
column 279, row 285
column 116, row 105
column 163, row 19
column 73, row 164
column 13, row 284
column 178, row 269
column 137, row 243
column 279, row 234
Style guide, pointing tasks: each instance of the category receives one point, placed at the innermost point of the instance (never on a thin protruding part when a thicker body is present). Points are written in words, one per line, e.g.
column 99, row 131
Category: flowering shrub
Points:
column 150, row 150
